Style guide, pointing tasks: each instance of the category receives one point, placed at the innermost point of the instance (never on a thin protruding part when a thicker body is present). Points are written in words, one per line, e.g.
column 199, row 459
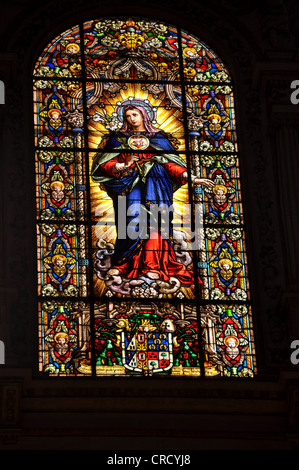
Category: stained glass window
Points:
column 140, row 226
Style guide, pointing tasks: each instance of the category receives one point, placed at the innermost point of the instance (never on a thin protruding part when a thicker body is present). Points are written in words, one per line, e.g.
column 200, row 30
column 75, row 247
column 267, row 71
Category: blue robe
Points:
column 143, row 185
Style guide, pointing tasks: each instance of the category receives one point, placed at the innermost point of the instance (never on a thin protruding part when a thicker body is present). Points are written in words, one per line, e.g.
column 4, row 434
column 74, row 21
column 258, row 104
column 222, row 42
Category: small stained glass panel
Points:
column 61, row 58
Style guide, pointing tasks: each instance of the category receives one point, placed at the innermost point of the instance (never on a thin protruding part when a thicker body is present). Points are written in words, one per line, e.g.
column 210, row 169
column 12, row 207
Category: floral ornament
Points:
column 234, row 234
column 212, row 233
column 116, row 24
column 109, row 42
column 160, row 28
column 219, row 76
column 49, row 306
column 48, row 290
column 190, row 72
column 156, row 43
column 227, row 146
column 207, row 160
column 245, row 372
column 65, row 73
column 203, row 89
column 67, row 157
column 72, row 88
column 217, row 294
column 205, row 146
column 194, row 92
column 146, row 25
column 47, row 214
column 44, row 156
column 69, row 215
column 219, row 310
column 62, row 86
column 233, row 219
column 240, row 310
column 130, row 36
column 66, row 142
column 71, row 291
column 44, row 71
column 45, row 141
column 110, row 122
column 211, row 218
column 101, row 27
column 228, row 161
column 163, row 68
column 240, row 294
column 201, row 77
column 42, row 84
column 223, row 90
column 47, row 230
column 70, row 230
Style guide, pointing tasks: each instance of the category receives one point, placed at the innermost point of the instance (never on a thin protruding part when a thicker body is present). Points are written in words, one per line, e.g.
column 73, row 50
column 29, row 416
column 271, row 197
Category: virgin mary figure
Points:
column 139, row 162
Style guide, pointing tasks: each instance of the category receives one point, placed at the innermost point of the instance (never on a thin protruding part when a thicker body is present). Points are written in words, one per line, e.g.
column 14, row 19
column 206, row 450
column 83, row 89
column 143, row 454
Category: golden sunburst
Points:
column 167, row 120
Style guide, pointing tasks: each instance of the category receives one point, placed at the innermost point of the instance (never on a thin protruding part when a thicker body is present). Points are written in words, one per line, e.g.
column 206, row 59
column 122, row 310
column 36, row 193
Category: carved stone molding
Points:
column 10, row 403
column 7, row 296
column 29, row 410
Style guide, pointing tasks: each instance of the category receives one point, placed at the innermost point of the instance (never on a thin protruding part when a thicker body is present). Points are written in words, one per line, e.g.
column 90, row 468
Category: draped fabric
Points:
column 150, row 183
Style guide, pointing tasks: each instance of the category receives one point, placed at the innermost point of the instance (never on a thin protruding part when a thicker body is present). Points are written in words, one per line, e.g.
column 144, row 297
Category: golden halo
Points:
column 57, row 183
column 214, row 116
column 62, row 257
column 61, row 335
column 225, row 261
column 189, row 49
column 74, row 45
column 220, row 186
column 54, row 110
column 231, row 337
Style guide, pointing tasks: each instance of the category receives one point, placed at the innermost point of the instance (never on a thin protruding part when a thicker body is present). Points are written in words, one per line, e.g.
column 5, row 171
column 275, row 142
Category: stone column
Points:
column 287, row 173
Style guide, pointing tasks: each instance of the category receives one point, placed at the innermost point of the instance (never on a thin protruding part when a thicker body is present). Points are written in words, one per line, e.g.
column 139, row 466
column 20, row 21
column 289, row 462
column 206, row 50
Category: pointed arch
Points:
column 121, row 293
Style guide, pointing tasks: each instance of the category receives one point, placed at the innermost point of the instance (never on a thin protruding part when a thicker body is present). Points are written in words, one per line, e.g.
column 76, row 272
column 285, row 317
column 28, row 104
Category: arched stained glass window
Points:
column 141, row 249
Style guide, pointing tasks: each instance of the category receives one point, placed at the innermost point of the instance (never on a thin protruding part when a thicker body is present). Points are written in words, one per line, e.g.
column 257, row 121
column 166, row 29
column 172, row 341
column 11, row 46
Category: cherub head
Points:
column 226, row 264
column 54, row 114
column 59, row 260
column 72, row 48
column 61, row 338
column 57, row 186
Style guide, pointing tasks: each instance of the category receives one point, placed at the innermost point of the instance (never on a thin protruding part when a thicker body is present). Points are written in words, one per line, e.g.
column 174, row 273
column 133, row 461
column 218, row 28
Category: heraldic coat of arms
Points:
column 147, row 350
